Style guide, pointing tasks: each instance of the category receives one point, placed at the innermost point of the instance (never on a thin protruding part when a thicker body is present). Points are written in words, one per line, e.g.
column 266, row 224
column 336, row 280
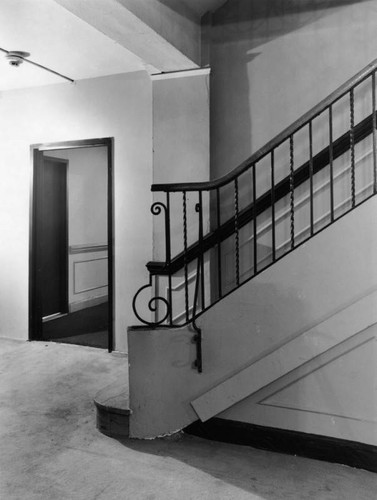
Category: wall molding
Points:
column 181, row 74
column 91, row 302
column 335, row 450
column 77, row 291
column 87, row 248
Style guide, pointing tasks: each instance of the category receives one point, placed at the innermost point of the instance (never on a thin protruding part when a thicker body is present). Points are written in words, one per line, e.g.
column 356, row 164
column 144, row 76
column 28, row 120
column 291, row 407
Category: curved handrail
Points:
column 277, row 140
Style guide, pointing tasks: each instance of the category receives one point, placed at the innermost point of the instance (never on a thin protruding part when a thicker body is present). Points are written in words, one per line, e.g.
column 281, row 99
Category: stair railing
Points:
column 280, row 153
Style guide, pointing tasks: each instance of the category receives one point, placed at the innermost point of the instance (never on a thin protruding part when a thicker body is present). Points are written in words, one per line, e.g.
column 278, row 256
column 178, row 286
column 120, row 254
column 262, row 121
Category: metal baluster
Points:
column 219, row 278
column 201, row 254
column 292, row 187
column 236, row 230
column 185, row 253
column 197, row 339
column 311, row 178
column 168, row 256
column 331, row 160
column 374, row 132
column 255, row 263
column 273, row 205
column 352, row 146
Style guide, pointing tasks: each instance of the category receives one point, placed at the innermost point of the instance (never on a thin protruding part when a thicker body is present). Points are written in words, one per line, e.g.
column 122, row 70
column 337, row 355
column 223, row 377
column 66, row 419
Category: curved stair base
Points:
column 113, row 411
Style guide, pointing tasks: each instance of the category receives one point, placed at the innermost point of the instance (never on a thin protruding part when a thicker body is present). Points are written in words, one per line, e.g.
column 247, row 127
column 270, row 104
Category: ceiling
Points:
column 59, row 40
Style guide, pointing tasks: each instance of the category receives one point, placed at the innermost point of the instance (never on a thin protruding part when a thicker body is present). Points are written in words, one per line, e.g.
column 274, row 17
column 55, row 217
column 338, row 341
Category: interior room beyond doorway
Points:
column 81, row 266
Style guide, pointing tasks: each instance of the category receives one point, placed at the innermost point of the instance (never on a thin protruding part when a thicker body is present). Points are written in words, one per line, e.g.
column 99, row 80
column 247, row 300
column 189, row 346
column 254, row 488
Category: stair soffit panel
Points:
column 287, row 358
column 164, row 39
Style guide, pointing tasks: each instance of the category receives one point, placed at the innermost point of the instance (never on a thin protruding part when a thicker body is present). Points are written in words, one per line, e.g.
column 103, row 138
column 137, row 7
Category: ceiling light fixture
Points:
column 17, row 57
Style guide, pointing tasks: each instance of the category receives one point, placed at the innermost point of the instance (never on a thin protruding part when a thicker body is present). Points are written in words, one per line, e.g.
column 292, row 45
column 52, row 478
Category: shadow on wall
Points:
column 238, row 28
column 270, row 19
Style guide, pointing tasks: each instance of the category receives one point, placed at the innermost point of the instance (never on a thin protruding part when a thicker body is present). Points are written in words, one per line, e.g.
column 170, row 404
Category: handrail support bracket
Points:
column 197, row 339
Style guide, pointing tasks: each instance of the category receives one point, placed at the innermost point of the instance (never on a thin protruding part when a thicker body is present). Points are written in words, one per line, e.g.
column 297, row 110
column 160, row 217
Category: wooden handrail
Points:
column 276, row 141
column 163, row 307
column 302, row 174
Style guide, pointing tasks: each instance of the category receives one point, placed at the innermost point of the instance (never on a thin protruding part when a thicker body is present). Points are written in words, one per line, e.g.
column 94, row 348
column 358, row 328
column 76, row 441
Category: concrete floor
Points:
column 50, row 448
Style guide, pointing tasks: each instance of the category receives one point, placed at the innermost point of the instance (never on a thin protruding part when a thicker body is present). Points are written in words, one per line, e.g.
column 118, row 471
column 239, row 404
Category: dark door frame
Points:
column 36, row 149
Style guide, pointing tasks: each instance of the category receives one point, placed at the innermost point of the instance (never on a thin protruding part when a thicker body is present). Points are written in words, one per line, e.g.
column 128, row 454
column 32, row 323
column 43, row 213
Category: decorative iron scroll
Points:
column 153, row 306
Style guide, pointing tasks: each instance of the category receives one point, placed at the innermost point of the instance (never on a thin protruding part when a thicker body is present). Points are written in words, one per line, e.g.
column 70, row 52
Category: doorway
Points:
column 71, row 247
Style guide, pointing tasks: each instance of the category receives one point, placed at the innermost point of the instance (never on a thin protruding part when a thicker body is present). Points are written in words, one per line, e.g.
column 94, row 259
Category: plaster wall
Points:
column 87, row 194
column 180, row 149
column 118, row 106
column 180, row 154
column 272, row 61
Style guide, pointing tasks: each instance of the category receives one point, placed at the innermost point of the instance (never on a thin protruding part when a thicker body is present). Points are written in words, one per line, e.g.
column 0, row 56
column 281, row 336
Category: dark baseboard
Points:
column 351, row 453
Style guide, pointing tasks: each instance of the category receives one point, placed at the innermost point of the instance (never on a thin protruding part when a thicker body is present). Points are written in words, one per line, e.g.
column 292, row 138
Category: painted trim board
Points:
column 351, row 453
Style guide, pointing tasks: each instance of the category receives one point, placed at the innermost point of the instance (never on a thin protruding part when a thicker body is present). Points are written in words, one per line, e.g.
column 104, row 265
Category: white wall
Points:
column 272, row 61
column 180, row 147
column 87, row 194
column 119, row 106
column 180, row 154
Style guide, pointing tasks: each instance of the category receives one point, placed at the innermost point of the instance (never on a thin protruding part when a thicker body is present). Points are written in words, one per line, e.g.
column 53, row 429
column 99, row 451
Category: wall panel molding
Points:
column 89, row 275
column 87, row 248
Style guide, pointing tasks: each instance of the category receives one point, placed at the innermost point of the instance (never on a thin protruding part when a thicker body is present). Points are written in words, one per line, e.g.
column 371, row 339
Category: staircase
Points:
column 225, row 232
column 246, row 294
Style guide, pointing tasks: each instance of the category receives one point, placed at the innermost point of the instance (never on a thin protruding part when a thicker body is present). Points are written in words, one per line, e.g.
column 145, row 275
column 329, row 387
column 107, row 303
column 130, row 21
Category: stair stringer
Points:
column 311, row 287
column 312, row 344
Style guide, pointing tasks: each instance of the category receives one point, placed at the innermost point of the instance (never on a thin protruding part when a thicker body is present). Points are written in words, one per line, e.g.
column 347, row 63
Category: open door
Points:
column 71, row 264
column 52, row 235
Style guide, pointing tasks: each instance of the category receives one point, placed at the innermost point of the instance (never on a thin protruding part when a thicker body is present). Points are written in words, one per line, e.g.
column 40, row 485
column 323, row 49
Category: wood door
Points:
column 51, row 236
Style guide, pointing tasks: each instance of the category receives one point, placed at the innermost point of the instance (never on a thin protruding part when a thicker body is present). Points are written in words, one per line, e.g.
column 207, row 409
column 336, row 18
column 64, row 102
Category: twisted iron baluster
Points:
column 219, row 244
column 352, row 145
column 198, row 336
column 374, row 132
column 255, row 236
column 292, row 187
column 199, row 279
column 185, row 253
column 236, row 229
